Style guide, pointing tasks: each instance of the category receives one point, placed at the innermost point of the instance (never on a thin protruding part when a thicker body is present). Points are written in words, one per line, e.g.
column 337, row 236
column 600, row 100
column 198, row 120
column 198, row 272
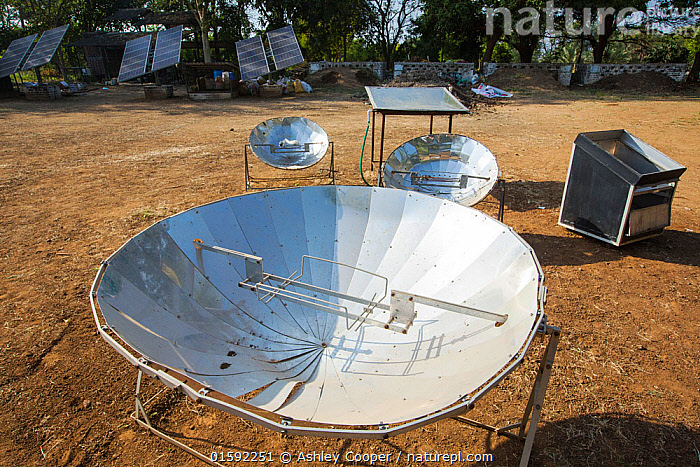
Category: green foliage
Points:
column 504, row 53
column 450, row 30
column 667, row 49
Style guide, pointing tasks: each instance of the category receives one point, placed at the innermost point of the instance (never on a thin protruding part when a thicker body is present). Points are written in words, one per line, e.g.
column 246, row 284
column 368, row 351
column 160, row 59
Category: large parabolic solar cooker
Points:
column 345, row 311
column 449, row 166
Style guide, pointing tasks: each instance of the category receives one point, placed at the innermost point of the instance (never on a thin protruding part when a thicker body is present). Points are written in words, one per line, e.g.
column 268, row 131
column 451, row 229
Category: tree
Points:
column 389, row 21
column 232, row 24
column 201, row 10
column 450, row 29
column 605, row 18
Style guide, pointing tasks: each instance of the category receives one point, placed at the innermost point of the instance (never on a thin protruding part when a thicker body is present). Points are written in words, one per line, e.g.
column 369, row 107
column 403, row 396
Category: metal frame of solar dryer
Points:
column 250, row 180
column 526, row 427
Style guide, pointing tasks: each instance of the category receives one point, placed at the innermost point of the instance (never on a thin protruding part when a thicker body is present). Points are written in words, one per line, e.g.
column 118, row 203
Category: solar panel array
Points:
column 285, row 48
column 15, row 53
column 252, row 60
column 45, row 48
column 168, row 46
column 135, row 58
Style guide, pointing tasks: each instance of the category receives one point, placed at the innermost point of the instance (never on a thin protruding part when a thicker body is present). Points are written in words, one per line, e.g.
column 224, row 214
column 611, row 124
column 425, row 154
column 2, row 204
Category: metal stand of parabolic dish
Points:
column 250, row 181
column 526, row 427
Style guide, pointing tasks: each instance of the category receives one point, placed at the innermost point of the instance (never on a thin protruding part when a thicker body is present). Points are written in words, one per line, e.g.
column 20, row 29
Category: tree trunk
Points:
column 202, row 14
column 526, row 47
column 601, row 44
column 599, row 49
column 695, row 69
column 206, row 48
column 525, row 52
column 490, row 44
column 345, row 47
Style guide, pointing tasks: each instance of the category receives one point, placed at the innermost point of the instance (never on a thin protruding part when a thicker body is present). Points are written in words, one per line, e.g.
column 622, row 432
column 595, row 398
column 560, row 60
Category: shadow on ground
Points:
column 673, row 246
column 606, row 439
column 523, row 195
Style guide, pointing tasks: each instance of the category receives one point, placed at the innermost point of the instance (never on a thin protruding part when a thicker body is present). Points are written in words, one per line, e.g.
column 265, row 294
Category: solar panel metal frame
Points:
column 46, row 47
column 167, row 51
column 252, row 58
column 285, row 48
column 136, row 66
column 15, row 53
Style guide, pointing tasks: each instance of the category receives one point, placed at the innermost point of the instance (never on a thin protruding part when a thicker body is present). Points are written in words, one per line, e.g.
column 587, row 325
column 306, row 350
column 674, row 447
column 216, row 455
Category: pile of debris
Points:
column 350, row 78
column 510, row 79
column 424, row 78
column 643, row 82
column 462, row 92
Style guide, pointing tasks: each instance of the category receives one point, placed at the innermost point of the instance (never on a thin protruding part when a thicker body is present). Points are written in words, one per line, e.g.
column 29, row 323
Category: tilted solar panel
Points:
column 285, row 48
column 252, row 60
column 168, row 46
column 15, row 53
column 46, row 47
column 135, row 58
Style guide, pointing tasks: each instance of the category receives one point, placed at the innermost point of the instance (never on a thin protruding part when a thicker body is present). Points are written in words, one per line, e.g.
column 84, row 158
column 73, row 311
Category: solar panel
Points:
column 15, row 53
column 285, row 48
column 252, row 60
column 168, row 45
column 135, row 58
column 45, row 48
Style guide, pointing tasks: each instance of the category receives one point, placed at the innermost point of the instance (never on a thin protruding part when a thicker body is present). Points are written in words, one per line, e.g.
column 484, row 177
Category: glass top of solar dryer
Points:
column 289, row 142
column 449, row 166
column 420, row 100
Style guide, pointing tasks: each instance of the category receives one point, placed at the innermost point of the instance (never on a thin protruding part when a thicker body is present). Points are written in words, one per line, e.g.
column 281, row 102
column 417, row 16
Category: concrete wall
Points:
column 489, row 68
column 593, row 73
column 457, row 71
column 561, row 70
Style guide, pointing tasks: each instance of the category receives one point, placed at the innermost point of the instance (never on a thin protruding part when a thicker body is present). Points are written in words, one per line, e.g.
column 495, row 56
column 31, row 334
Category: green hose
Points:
column 362, row 154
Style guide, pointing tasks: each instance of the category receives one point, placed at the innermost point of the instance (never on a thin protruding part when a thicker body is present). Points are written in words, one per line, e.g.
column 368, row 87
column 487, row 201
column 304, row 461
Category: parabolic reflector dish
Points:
column 289, row 142
column 453, row 167
column 261, row 294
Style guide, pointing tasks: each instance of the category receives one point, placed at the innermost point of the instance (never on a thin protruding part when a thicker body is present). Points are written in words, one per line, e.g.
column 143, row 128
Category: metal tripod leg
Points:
column 534, row 405
column 501, row 205
column 245, row 168
column 146, row 423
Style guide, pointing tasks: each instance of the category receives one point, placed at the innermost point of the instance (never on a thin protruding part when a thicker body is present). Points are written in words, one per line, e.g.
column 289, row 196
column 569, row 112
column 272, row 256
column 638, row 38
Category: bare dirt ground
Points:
column 80, row 176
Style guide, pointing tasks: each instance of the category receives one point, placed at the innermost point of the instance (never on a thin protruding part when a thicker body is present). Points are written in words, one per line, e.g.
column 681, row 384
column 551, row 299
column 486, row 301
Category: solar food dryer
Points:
column 619, row 189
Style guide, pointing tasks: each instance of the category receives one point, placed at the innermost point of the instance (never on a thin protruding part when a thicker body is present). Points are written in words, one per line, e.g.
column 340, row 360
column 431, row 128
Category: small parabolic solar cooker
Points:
column 289, row 142
column 328, row 310
column 452, row 167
